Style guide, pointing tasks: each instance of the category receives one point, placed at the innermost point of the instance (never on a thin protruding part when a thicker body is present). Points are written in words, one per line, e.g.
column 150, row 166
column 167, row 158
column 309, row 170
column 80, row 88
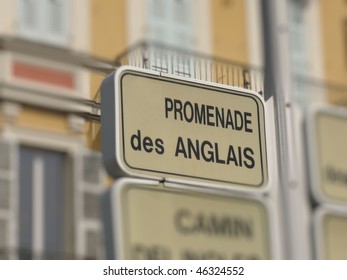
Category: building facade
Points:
column 53, row 57
column 50, row 178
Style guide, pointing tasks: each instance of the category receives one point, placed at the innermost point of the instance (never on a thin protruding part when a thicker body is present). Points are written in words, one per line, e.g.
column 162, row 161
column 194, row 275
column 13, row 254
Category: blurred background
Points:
column 54, row 55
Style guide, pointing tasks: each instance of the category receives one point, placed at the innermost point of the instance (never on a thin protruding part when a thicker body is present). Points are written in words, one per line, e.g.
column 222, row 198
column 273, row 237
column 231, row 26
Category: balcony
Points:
column 194, row 65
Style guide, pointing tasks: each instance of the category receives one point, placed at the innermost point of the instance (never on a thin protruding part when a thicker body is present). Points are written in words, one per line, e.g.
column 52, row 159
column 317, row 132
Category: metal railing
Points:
column 171, row 60
column 159, row 57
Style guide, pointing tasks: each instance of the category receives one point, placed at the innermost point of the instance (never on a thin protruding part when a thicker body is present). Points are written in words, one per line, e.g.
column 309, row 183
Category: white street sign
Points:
column 148, row 221
column 181, row 130
column 328, row 154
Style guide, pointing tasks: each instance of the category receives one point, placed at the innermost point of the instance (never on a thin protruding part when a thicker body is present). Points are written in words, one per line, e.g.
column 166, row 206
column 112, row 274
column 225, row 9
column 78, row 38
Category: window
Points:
column 171, row 22
column 44, row 20
column 45, row 205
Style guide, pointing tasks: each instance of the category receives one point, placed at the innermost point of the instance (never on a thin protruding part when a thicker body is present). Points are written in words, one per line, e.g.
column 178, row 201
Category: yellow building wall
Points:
column 2, row 118
column 229, row 29
column 41, row 119
column 108, row 29
column 334, row 45
column 108, row 39
column 93, row 134
column 108, row 33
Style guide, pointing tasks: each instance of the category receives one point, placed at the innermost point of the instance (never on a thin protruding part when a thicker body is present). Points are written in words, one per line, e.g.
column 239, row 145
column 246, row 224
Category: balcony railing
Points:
column 208, row 68
column 194, row 65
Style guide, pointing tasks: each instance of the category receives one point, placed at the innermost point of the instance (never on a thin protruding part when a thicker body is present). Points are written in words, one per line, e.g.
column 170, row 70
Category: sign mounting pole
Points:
column 296, row 227
column 277, row 91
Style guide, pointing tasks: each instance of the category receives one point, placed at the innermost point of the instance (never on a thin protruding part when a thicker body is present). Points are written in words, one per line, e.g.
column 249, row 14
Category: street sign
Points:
column 330, row 231
column 328, row 154
column 181, row 130
column 147, row 221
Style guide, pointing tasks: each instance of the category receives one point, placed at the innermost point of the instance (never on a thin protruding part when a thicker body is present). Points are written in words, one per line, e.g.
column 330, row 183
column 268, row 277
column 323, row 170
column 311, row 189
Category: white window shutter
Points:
column 29, row 18
column 171, row 22
column 57, row 19
column 44, row 20
column 8, row 191
column 159, row 32
column 182, row 23
column 158, row 20
column 182, row 35
column 89, row 224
